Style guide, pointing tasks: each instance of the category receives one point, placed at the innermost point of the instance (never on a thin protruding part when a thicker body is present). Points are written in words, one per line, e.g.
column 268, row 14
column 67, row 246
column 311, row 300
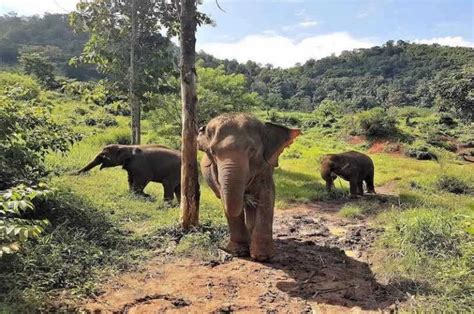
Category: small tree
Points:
column 37, row 64
column 125, row 44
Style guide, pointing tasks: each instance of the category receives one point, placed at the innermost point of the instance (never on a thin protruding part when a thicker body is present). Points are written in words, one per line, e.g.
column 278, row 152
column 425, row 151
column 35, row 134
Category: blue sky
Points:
column 288, row 31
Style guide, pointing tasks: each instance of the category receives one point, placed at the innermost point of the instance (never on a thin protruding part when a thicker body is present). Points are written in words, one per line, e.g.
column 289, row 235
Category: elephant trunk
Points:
column 233, row 177
column 95, row 162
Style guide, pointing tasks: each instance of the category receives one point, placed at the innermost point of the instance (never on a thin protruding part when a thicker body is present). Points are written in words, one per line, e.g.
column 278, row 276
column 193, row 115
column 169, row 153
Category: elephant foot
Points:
column 262, row 251
column 239, row 249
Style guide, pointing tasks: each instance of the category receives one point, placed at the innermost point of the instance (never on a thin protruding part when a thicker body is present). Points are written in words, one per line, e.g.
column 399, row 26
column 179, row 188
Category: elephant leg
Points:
column 250, row 216
column 329, row 184
column 138, row 187
column 360, row 187
column 353, row 187
column 168, row 192
column 177, row 192
column 239, row 237
column 130, row 182
column 370, row 183
column 261, row 243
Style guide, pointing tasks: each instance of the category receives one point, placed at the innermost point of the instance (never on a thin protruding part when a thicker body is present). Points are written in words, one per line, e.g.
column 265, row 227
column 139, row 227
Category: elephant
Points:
column 143, row 163
column 240, row 155
column 352, row 166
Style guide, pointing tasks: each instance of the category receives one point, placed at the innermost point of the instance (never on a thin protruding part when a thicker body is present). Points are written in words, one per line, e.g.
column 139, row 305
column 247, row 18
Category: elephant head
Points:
column 238, row 148
column 111, row 156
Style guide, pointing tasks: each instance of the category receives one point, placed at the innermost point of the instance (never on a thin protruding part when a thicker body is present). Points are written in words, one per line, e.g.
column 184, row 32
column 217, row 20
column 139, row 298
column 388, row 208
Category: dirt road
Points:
column 322, row 266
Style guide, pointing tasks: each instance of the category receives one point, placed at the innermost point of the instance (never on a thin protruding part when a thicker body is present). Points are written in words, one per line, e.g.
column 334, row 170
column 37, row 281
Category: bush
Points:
column 118, row 108
column 40, row 66
column 448, row 120
column 76, row 89
column 453, row 184
column 18, row 87
column 102, row 121
column 421, row 151
column 96, row 95
column 376, row 123
column 15, row 227
column 27, row 135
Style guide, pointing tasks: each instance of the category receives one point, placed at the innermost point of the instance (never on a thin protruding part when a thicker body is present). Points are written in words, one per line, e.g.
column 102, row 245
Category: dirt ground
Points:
column 322, row 266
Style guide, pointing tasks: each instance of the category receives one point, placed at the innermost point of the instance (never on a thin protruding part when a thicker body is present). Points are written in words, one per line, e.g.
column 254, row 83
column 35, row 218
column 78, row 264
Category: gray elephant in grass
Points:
column 352, row 166
column 143, row 163
column 241, row 153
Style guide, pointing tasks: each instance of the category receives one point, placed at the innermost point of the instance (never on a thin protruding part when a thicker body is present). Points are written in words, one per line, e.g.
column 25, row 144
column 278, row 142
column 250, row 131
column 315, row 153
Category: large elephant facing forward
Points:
column 143, row 163
column 241, row 153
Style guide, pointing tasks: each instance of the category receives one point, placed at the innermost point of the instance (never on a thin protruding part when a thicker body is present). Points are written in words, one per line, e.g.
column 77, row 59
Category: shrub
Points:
column 15, row 227
column 118, row 108
column 27, row 135
column 377, row 123
column 18, row 87
column 96, row 95
column 421, row 151
column 40, row 66
column 453, row 184
column 102, row 121
column 76, row 89
column 448, row 120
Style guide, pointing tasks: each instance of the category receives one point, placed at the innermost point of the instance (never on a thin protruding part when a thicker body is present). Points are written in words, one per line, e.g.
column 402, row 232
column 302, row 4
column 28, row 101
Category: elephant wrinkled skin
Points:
column 143, row 163
column 352, row 166
column 241, row 154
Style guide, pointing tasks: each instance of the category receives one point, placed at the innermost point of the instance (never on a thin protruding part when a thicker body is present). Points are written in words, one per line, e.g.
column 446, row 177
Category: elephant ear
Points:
column 126, row 152
column 275, row 139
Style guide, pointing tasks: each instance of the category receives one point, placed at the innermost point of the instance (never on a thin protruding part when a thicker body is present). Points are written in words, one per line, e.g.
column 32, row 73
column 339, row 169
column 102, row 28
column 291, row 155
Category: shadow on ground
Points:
column 326, row 275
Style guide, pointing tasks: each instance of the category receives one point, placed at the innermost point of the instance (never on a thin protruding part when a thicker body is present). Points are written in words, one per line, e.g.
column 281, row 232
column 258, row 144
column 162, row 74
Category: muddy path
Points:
column 322, row 266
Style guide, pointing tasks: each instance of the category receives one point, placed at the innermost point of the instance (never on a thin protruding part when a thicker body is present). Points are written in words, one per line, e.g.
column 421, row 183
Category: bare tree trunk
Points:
column 189, row 169
column 132, row 97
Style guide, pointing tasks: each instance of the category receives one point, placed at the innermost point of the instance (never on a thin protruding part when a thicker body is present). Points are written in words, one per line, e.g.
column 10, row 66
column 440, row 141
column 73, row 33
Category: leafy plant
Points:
column 27, row 135
column 38, row 65
column 15, row 226
column 18, row 87
column 376, row 123
column 453, row 185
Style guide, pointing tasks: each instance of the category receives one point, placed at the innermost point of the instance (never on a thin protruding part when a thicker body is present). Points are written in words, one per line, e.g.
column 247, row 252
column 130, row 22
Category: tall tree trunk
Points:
column 189, row 169
column 132, row 96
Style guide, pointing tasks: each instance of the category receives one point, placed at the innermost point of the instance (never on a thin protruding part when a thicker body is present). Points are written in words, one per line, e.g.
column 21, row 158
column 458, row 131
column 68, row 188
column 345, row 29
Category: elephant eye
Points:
column 202, row 129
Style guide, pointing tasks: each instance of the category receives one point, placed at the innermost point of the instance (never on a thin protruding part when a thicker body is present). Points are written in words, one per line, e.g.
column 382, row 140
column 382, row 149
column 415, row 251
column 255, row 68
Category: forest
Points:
column 83, row 242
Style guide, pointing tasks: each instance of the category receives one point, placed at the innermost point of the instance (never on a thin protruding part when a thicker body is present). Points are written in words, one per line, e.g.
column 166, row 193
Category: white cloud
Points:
column 453, row 41
column 283, row 51
column 308, row 23
column 31, row 7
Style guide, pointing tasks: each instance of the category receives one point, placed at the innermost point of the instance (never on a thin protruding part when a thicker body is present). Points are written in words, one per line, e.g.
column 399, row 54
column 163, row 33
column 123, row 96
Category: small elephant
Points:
column 143, row 163
column 241, row 153
column 352, row 166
